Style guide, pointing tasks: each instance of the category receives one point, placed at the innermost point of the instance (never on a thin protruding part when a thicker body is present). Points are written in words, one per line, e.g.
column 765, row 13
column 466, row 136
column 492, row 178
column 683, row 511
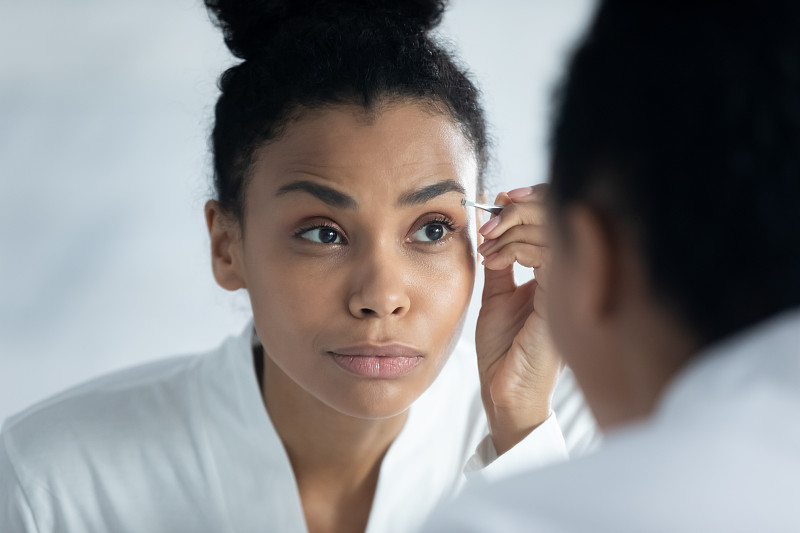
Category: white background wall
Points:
column 105, row 109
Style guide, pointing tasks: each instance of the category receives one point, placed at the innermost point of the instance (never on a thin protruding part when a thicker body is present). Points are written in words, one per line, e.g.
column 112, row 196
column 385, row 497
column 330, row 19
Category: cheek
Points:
column 293, row 295
column 290, row 298
column 445, row 283
column 297, row 300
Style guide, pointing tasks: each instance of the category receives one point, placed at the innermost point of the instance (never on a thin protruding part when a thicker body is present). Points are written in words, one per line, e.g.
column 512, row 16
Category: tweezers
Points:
column 493, row 209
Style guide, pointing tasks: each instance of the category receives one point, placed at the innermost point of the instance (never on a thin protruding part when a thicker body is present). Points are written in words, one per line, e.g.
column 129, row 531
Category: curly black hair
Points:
column 306, row 54
column 681, row 121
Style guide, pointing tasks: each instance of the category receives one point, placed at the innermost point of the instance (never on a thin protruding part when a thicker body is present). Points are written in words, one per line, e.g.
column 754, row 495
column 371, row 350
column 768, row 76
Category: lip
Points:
column 377, row 361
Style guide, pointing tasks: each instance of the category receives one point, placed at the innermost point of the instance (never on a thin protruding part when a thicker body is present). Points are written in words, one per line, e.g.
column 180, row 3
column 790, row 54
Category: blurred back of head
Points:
column 680, row 122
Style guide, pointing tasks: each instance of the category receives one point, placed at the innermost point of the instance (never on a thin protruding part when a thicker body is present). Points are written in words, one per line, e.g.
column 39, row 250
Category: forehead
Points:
column 396, row 146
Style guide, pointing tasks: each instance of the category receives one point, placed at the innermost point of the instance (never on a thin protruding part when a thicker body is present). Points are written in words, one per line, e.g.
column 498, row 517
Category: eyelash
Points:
column 444, row 221
column 304, row 229
column 439, row 219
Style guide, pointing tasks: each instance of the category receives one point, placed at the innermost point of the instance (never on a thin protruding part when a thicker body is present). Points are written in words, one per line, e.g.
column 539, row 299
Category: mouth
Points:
column 377, row 361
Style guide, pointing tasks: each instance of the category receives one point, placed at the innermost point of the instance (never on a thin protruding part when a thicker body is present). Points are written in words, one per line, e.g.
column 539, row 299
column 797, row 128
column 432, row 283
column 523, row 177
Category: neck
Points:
column 655, row 349
column 326, row 447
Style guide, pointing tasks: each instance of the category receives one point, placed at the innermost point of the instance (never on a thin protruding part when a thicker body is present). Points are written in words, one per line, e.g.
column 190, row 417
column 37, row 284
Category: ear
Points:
column 226, row 252
column 596, row 260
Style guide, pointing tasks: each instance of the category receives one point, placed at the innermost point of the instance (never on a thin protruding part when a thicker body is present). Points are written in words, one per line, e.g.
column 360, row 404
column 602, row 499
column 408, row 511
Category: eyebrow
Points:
column 428, row 193
column 328, row 195
column 341, row 200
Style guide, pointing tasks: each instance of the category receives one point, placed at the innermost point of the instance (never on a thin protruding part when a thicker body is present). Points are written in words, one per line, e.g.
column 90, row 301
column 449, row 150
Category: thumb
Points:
column 497, row 282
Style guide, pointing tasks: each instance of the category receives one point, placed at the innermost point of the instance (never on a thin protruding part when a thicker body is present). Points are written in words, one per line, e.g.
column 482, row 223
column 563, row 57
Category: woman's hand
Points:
column 516, row 361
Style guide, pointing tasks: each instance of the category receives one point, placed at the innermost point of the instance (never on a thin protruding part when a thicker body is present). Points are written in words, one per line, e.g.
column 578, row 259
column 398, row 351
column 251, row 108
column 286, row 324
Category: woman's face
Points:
column 357, row 254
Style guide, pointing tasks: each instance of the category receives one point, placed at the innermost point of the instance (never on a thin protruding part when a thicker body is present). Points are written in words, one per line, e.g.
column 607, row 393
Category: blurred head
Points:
column 343, row 145
column 675, row 182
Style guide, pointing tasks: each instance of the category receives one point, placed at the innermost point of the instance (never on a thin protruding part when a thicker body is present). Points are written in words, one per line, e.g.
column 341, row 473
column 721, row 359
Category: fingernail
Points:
column 486, row 245
column 489, row 226
column 519, row 193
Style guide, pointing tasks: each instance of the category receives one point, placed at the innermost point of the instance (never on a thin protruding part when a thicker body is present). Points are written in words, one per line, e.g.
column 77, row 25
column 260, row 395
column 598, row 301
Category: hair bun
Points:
column 250, row 25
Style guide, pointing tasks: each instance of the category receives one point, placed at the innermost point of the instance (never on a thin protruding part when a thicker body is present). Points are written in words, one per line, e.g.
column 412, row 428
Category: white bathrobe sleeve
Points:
column 543, row 446
column 15, row 511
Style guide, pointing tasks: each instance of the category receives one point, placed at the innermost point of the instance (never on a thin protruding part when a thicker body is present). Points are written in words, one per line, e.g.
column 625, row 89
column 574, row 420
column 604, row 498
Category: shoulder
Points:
column 572, row 496
column 651, row 477
column 104, row 421
column 100, row 401
column 122, row 448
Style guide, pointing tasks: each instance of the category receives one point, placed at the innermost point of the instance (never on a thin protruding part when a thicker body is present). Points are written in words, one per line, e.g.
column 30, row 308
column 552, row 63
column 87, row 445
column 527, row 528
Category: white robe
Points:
column 720, row 454
column 185, row 445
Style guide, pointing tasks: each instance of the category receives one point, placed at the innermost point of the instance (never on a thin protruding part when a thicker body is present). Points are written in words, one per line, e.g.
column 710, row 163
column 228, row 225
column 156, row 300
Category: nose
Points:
column 379, row 286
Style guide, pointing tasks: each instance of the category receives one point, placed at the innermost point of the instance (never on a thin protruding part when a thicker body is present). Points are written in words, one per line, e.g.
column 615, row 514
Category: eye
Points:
column 432, row 231
column 322, row 235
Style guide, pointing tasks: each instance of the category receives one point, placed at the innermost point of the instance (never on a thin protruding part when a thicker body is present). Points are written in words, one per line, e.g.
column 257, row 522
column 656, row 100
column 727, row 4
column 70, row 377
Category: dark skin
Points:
column 623, row 344
column 361, row 214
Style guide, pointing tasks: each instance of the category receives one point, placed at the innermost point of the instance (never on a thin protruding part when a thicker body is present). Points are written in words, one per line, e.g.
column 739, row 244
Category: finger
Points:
column 535, row 193
column 527, row 234
column 503, row 199
column 535, row 333
column 501, row 280
column 530, row 213
column 540, row 301
column 542, row 275
column 525, row 254
column 498, row 281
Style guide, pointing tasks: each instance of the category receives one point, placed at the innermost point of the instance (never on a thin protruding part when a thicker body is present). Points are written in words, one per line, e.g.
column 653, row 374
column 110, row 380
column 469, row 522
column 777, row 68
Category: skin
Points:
column 516, row 360
column 376, row 182
column 623, row 345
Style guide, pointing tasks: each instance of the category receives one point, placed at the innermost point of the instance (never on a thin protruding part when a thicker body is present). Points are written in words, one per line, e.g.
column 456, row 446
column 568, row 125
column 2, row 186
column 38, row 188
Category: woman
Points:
column 343, row 146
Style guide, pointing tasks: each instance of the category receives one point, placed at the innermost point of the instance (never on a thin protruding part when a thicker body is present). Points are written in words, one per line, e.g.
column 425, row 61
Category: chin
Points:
column 375, row 401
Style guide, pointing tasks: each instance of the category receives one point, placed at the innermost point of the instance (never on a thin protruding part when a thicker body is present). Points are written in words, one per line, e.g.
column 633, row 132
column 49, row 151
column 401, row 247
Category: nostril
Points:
column 367, row 311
